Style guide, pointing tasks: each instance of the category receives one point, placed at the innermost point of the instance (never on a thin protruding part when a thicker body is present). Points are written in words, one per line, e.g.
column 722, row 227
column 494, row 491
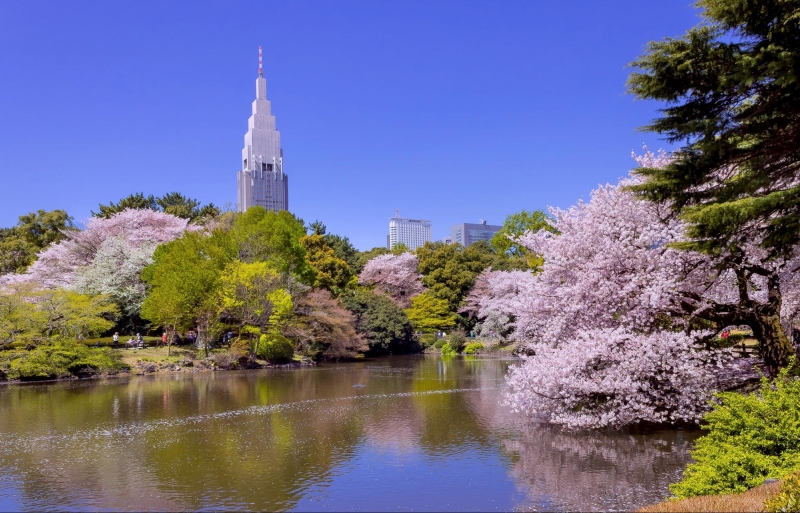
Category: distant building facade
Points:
column 261, row 180
column 467, row 233
column 411, row 232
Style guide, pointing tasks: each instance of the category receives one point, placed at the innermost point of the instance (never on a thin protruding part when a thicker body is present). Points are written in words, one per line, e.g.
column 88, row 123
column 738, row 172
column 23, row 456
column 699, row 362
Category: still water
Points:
column 419, row 433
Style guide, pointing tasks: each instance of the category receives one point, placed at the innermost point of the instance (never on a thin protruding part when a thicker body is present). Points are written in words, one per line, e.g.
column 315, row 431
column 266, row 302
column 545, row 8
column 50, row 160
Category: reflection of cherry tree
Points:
column 589, row 472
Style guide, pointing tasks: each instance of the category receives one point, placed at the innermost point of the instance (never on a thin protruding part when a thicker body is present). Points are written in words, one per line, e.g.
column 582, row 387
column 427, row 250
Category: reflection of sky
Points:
column 475, row 479
column 9, row 495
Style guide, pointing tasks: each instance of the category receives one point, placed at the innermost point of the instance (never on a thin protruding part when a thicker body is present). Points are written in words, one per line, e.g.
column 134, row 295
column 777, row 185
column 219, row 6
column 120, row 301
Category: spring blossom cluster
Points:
column 394, row 275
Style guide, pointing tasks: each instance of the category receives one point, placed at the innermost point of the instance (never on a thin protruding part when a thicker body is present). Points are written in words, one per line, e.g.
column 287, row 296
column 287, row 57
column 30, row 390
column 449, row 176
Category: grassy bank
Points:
column 751, row 500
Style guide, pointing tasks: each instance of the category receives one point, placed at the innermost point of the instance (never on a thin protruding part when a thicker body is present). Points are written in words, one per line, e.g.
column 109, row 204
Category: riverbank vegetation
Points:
column 621, row 304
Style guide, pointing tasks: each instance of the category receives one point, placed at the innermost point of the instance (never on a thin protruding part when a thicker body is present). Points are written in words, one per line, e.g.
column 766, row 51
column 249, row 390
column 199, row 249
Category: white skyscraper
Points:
column 261, row 180
column 411, row 232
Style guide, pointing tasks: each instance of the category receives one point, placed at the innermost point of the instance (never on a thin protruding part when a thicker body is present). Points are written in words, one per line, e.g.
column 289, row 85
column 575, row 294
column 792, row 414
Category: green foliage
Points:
column 282, row 306
column 331, row 273
column 245, row 294
column 184, row 279
column 31, row 316
column 516, row 225
column 439, row 343
column 448, row 350
column 788, row 498
column 427, row 339
column 344, row 250
column 399, row 249
column 473, row 348
column 77, row 316
column 58, row 359
column 266, row 236
column 384, row 324
column 33, row 233
column 429, row 313
column 733, row 96
column 449, row 270
column 275, row 348
column 173, row 203
column 457, row 340
column 751, row 437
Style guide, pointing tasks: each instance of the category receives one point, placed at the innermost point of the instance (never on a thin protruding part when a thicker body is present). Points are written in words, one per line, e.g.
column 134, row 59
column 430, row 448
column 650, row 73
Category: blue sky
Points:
column 451, row 111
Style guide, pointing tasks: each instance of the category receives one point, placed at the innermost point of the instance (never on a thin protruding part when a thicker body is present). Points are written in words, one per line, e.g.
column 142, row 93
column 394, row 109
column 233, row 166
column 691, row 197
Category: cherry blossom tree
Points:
column 394, row 275
column 107, row 257
column 59, row 264
column 617, row 317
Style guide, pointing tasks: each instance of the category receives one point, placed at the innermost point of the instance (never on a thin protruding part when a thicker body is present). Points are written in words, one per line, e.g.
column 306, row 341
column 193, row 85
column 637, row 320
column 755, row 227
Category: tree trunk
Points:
column 775, row 346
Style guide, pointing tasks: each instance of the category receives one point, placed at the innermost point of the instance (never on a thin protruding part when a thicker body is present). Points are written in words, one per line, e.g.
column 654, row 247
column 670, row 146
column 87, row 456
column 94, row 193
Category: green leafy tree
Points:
column 429, row 313
column 248, row 292
column 344, row 250
column 20, row 319
column 71, row 315
column 274, row 237
column 733, row 102
column 173, row 203
column 331, row 273
column 449, row 270
column 317, row 228
column 384, row 324
column 184, row 281
column 733, row 97
column 515, row 226
column 33, row 233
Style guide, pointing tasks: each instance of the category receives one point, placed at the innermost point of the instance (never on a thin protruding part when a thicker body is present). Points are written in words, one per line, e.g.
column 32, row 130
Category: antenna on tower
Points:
column 397, row 213
column 260, row 63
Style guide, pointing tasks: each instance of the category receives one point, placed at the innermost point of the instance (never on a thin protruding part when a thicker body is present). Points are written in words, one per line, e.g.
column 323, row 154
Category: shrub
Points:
column 788, row 498
column 473, row 348
column 439, row 343
column 457, row 339
column 751, row 437
column 384, row 324
column 58, row 359
column 427, row 339
column 275, row 348
column 447, row 349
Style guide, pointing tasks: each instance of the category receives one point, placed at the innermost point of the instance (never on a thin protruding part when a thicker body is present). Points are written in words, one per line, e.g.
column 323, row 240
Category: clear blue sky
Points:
column 448, row 110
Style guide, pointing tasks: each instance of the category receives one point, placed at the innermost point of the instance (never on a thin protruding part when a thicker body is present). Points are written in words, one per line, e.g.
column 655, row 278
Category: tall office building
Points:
column 411, row 232
column 261, row 181
column 467, row 233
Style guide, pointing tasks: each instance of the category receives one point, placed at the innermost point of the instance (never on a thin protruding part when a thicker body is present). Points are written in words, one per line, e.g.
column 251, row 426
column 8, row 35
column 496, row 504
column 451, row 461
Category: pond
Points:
column 391, row 434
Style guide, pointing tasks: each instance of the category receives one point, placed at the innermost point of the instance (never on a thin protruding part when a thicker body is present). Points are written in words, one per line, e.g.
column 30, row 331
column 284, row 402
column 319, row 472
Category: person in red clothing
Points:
column 164, row 338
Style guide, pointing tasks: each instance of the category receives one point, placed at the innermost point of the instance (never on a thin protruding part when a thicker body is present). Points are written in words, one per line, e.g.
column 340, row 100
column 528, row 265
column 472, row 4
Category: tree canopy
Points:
column 515, row 226
column 173, row 203
column 33, row 233
column 733, row 100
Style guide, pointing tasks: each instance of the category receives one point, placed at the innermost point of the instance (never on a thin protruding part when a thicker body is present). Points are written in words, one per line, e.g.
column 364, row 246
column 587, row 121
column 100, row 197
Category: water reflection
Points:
column 404, row 433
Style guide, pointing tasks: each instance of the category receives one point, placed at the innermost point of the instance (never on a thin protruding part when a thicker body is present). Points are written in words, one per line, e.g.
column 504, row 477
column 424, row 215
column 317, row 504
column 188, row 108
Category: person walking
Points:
column 164, row 338
column 139, row 340
column 115, row 338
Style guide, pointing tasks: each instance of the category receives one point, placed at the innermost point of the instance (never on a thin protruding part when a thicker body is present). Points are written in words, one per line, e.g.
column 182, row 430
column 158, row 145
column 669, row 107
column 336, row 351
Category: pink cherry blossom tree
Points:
column 616, row 318
column 394, row 275
column 107, row 257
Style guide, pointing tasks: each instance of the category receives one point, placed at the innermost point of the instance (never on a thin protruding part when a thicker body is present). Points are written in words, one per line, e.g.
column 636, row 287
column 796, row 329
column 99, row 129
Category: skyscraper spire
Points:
column 261, row 180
